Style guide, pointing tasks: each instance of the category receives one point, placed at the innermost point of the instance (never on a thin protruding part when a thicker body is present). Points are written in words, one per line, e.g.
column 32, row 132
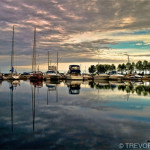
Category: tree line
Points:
column 101, row 68
column 140, row 66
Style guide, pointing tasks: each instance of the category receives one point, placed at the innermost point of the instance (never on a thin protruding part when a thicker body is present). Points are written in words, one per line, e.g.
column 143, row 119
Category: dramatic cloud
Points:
column 77, row 29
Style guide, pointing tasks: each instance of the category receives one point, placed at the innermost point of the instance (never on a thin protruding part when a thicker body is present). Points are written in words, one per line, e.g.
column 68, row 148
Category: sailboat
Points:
column 37, row 75
column 13, row 75
column 52, row 73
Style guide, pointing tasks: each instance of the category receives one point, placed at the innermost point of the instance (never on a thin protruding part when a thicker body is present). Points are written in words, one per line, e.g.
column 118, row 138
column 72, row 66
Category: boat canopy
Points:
column 74, row 67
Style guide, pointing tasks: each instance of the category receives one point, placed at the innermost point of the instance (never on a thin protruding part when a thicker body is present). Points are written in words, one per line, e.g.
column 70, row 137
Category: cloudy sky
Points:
column 82, row 31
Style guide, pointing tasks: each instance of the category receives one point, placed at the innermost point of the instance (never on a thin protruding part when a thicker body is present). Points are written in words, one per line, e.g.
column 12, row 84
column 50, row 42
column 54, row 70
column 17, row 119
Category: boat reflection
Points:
column 37, row 84
column 52, row 86
column 74, row 86
column 1, row 82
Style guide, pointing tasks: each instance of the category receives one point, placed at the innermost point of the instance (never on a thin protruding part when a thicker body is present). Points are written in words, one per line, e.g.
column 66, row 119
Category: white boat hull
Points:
column 11, row 77
column 72, row 77
column 116, row 77
column 101, row 77
column 52, row 76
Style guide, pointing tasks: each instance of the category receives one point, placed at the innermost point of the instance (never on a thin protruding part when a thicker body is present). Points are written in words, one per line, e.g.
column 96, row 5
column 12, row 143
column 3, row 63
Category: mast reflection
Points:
column 34, row 85
column 12, row 87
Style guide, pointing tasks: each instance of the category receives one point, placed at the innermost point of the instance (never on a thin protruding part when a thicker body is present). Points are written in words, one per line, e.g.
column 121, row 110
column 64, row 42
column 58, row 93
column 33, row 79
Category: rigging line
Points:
column 58, row 60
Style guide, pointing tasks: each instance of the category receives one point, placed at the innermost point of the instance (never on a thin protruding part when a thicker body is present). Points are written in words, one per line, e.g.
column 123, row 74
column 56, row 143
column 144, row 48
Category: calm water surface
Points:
column 73, row 115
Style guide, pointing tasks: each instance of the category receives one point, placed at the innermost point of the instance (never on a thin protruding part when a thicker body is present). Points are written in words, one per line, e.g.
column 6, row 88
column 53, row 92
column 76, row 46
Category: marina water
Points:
column 73, row 114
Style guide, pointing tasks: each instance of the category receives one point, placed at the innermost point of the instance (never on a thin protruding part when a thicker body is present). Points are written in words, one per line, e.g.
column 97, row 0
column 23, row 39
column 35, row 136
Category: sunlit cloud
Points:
column 76, row 29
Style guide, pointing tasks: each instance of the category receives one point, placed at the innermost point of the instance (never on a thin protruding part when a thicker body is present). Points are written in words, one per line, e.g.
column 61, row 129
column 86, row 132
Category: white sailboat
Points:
column 13, row 75
column 52, row 73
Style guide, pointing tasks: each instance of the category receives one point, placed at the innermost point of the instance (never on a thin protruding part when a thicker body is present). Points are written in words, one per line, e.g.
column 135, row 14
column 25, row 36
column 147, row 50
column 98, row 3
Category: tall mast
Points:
column 48, row 60
column 34, row 52
column 12, row 53
column 57, row 62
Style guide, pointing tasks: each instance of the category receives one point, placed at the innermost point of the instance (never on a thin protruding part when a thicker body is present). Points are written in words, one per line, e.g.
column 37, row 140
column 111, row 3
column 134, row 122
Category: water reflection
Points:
column 51, row 87
column 73, row 86
column 12, row 86
column 33, row 104
column 47, row 116
column 140, row 88
column 37, row 84
column 0, row 83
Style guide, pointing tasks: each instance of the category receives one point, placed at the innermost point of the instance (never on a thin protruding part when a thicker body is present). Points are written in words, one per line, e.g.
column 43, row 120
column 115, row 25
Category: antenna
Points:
column 127, row 56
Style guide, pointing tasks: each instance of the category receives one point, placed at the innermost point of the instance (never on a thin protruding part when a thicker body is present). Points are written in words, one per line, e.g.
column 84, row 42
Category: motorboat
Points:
column 74, row 73
column 115, row 76
column 51, row 75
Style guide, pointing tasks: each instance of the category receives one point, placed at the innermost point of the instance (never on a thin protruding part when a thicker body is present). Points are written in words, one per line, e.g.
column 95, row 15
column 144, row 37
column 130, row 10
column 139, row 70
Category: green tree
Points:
column 139, row 65
column 148, row 66
column 129, row 67
column 92, row 69
column 100, row 68
column 145, row 65
column 121, row 67
column 112, row 67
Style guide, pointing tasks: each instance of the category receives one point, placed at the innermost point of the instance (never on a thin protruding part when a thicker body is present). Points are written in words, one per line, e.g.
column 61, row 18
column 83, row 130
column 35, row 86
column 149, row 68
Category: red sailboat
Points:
column 37, row 75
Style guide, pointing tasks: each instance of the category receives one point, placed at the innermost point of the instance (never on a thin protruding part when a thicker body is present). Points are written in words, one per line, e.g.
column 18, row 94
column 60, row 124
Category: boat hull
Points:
column 73, row 77
column 33, row 78
column 116, row 77
column 25, row 77
column 36, row 77
column 11, row 77
column 101, row 77
column 51, row 77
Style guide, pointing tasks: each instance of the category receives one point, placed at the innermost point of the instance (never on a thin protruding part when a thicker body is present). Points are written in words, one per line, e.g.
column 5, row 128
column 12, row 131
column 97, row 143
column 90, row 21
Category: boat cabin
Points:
column 74, row 69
